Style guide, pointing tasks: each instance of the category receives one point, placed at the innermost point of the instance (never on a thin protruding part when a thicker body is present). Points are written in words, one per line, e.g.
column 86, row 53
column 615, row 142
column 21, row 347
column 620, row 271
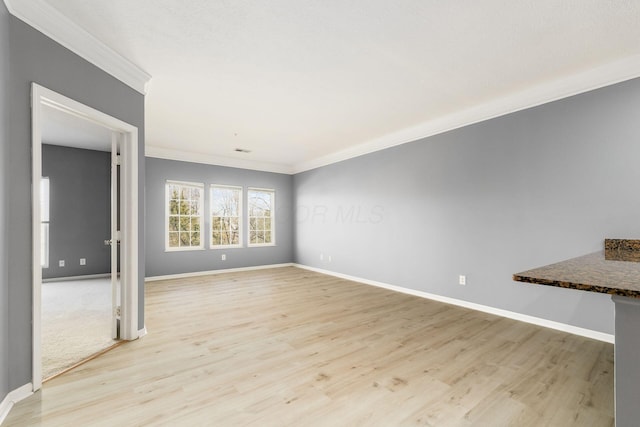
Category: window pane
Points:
column 195, row 208
column 184, row 207
column 173, row 207
column 260, row 210
column 184, row 219
column 195, row 239
column 225, row 215
column 185, row 239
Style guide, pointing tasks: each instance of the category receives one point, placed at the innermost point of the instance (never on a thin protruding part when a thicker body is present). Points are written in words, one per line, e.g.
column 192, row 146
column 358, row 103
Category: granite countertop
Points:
column 616, row 273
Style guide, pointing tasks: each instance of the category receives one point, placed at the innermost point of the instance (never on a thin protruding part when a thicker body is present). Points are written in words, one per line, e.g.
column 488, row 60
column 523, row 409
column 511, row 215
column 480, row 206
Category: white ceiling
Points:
column 297, row 81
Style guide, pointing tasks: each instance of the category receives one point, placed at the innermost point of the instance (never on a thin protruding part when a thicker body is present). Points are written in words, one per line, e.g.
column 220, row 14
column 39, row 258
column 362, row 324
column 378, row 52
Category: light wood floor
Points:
column 288, row 347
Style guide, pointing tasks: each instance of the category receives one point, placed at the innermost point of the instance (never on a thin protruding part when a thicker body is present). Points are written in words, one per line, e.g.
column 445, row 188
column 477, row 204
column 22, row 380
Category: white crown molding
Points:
column 604, row 75
column 596, row 335
column 49, row 21
column 208, row 159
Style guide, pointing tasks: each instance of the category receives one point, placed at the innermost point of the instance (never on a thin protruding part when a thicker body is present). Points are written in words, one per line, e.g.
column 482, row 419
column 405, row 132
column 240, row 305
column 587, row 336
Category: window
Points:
column 261, row 216
column 226, row 216
column 44, row 222
column 184, row 215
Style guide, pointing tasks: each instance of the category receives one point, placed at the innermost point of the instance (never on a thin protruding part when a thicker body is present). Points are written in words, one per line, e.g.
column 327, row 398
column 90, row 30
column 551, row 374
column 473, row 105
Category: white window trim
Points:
column 240, row 217
column 198, row 185
column 273, row 219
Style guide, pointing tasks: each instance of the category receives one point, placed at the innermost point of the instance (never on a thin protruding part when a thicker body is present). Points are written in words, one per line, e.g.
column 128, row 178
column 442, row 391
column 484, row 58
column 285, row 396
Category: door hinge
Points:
column 118, row 311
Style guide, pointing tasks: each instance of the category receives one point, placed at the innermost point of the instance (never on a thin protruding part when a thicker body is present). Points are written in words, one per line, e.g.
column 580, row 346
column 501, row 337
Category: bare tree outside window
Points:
column 226, row 220
column 261, row 217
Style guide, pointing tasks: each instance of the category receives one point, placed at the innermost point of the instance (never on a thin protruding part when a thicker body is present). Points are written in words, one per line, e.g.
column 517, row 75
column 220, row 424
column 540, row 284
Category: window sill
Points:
column 183, row 249
column 261, row 245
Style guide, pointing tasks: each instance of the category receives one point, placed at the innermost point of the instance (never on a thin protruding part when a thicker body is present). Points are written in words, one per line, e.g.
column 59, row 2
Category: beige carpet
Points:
column 76, row 322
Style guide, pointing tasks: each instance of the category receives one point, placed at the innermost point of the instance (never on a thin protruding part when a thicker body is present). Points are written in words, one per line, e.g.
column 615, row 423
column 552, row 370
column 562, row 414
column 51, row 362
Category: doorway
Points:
column 121, row 140
column 76, row 302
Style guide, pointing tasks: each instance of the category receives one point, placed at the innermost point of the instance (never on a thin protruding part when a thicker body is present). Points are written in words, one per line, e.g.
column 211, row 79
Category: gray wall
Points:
column 4, row 142
column 160, row 262
column 80, row 210
column 36, row 58
column 487, row 200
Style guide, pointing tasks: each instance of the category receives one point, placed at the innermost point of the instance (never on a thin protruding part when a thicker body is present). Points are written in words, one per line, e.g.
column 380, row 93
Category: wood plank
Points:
column 291, row 347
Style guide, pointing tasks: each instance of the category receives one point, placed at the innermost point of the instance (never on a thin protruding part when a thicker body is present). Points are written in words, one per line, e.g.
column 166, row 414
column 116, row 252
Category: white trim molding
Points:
column 605, row 75
column 595, row 78
column 208, row 159
column 210, row 272
column 600, row 336
column 142, row 332
column 49, row 21
column 12, row 398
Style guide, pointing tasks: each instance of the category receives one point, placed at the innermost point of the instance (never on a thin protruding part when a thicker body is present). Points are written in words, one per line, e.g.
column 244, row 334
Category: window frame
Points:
column 240, row 216
column 272, row 217
column 196, row 185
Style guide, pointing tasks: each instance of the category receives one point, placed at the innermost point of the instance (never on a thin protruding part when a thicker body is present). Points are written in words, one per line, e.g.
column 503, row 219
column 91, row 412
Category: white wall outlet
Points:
column 223, row 257
column 83, row 261
column 329, row 258
column 321, row 256
column 61, row 263
column 462, row 280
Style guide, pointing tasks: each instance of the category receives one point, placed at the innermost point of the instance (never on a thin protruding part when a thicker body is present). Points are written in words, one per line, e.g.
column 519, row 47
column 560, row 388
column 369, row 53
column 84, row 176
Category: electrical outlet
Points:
column 329, row 258
column 83, row 261
column 321, row 256
column 61, row 263
column 223, row 257
column 462, row 280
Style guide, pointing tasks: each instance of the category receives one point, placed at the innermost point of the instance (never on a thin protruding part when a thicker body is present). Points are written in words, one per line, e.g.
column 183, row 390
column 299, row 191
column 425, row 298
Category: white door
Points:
column 115, row 236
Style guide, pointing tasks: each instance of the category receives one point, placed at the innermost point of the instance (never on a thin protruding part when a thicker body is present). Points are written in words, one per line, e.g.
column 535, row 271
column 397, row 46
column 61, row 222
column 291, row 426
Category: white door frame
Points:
column 114, row 236
column 41, row 97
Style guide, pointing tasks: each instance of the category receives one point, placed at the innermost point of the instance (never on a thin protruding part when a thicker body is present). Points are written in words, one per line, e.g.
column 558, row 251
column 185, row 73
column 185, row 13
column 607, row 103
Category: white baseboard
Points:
column 14, row 397
column 142, row 332
column 71, row 278
column 210, row 272
column 596, row 335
